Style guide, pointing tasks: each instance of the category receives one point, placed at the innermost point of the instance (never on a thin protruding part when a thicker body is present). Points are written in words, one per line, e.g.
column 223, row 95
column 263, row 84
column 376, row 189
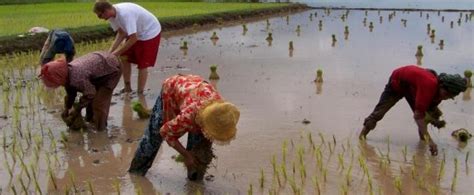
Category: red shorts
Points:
column 144, row 53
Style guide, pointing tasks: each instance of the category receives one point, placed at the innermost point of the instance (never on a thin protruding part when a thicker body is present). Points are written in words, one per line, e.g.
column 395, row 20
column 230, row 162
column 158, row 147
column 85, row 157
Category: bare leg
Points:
column 127, row 72
column 142, row 77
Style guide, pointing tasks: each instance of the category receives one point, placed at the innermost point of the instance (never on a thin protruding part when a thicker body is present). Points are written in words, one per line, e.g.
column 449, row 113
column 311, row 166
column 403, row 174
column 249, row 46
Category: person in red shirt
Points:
column 424, row 90
column 187, row 104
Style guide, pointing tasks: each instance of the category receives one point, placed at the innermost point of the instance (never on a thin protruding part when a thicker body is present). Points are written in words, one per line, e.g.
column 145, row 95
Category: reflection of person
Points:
column 95, row 75
column 423, row 89
column 58, row 41
column 141, row 30
column 187, row 104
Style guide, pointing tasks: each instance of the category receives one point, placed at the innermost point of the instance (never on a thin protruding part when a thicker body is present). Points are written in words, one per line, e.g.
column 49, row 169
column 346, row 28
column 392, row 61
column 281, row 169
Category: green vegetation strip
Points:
column 16, row 19
column 171, row 15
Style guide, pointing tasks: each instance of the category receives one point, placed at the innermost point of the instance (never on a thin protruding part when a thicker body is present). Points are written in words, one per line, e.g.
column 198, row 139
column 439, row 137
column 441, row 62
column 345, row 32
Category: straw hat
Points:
column 218, row 120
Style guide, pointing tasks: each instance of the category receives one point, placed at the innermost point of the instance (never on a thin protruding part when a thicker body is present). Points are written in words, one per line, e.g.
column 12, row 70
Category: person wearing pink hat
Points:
column 95, row 75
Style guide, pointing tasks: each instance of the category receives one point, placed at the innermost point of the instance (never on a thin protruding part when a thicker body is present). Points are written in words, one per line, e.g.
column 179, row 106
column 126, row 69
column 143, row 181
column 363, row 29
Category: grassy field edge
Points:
column 14, row 43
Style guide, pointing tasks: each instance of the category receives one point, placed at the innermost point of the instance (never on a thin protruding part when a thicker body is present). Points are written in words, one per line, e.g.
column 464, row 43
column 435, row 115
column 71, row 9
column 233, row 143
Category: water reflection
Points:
column 419, row 60
column 319, row 88
column 467, row 94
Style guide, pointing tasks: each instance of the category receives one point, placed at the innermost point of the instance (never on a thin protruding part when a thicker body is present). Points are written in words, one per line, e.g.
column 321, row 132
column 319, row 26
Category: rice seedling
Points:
column 298, row 29
column 441, row 169
column 52, row 178
column 277, row 176
column 432, row 35
column 73, row 181
column 441, row 44
column 273, row 162
column 287, row 20
column 341, row 161
column 283, row 170
column 262, row 178
column 250, row 190
column 117, row 186
column 290, row 47
column 138, row 190
column 468, row 75
column 321, row 136
column 214, row 36
column 319, row 79
column 404, row 152
column 398, row 184
column 452, row 24
column 269, row 37
column 13, row 189
column 380, row 19
column 467, row 157
column 184, row 45
column 419, row 52
column 325, row 174
column 284, row 149
column 244, row 29
column 91, row 189
column 294, row 187
column 455, row 175
column 214, row 75
column 316, row 185
column 23, row 186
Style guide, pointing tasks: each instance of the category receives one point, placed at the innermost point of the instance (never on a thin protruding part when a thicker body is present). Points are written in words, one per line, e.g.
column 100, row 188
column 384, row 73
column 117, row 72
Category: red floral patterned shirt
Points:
column 183, row 96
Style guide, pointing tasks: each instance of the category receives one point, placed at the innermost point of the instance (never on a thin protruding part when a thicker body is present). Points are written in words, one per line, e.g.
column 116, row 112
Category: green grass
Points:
column 16, row 19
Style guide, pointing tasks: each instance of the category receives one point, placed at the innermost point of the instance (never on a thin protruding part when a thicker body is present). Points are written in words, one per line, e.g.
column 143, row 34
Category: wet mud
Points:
column 282, row 107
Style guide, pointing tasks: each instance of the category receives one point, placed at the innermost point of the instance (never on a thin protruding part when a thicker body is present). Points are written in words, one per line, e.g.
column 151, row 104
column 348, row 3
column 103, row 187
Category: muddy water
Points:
column 275, row 92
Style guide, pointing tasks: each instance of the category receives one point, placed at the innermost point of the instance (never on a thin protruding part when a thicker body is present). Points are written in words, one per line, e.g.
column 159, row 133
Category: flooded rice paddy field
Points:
column 294, row 136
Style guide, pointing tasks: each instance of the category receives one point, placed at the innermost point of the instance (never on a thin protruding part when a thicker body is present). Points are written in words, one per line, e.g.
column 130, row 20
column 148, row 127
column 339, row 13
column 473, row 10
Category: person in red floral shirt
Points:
column 187, row 104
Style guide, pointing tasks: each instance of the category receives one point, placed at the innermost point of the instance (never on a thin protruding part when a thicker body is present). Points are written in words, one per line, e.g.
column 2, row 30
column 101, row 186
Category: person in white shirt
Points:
column 141, row 31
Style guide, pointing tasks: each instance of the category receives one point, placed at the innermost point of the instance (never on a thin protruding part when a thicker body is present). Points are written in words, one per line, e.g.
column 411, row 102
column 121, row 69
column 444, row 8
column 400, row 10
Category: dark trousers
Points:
column 387, row 100
column 152, row 140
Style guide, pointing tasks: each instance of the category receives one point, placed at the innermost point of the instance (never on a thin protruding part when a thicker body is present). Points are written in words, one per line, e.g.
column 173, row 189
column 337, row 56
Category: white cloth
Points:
column 132, row 18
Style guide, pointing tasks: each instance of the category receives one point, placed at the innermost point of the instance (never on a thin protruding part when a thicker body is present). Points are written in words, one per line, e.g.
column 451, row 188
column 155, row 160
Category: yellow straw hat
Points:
column 218, row 121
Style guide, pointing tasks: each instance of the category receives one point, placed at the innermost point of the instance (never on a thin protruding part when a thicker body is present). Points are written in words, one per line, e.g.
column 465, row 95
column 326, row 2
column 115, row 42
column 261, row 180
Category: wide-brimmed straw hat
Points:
column 218, row 120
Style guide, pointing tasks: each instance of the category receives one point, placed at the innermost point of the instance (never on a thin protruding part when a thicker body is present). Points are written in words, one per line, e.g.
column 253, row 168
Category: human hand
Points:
column 433, row 149
column 438, row 123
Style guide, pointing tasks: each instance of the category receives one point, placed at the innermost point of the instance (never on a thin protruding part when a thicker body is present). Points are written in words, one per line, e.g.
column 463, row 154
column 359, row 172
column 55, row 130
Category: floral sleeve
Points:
column 172, row 130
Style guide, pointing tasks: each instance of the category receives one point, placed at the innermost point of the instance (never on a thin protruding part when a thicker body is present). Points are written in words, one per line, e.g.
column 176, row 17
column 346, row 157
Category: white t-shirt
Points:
column 133, row 18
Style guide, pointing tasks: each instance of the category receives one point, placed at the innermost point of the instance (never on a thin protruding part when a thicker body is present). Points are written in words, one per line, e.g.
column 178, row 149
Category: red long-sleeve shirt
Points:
column 418, row 83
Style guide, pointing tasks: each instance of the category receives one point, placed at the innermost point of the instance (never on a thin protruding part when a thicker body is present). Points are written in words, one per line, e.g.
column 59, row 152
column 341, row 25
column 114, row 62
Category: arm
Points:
column 423, row 132
column 132, row 39
column 71, row 94
column 88, row 93
column 188, row 157
column 119, row 37
column 173, row 129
